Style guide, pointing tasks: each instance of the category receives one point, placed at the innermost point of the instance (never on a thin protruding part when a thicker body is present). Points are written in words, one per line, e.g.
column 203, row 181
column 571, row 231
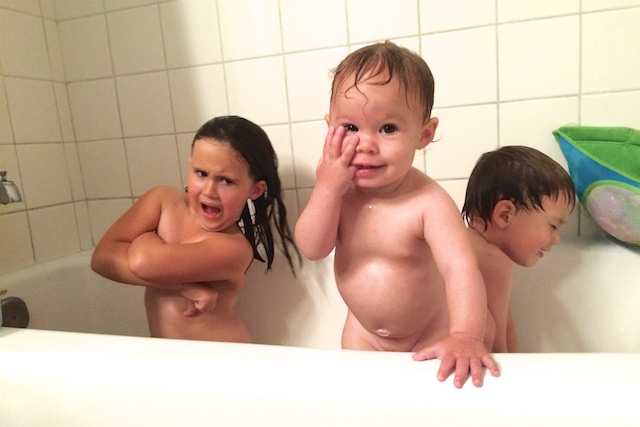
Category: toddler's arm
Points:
column 463, row 351
column 316, row 230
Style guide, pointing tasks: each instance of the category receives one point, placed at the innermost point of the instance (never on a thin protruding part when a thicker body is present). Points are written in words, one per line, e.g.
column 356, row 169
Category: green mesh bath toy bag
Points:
column 604, row 164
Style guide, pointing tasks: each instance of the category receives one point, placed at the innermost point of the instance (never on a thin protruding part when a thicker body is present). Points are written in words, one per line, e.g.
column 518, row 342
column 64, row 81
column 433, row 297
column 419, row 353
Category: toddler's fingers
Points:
column 462, row 372
column 491, row 365
column 477, row 372
column 447, row 365
column 333, row 142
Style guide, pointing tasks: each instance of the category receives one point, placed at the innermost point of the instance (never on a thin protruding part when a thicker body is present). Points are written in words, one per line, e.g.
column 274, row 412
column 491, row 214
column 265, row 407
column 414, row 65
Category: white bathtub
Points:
column 577, row 314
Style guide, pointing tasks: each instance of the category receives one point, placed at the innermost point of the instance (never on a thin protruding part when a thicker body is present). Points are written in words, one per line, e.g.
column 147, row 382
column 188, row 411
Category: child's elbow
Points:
column 138, row 266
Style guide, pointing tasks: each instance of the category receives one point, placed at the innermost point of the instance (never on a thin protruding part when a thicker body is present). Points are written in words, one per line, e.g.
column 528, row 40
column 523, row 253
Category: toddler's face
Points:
column 532, row 233
column 388, row 129
column 219, row 185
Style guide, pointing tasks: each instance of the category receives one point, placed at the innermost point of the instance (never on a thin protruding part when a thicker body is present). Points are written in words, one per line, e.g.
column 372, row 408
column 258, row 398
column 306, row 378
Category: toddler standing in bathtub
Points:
column 191, row 249
column 403, row 262
column 517, row 201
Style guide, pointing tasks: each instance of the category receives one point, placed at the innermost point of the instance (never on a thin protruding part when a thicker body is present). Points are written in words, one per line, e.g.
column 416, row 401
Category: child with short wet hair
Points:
column 403, row 262
column 517, row 201
column 191, row 249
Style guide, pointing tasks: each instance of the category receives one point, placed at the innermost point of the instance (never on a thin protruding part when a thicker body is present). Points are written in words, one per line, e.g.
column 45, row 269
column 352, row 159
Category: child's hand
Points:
column 200, row 299
column 335, row 170
column 462, row 354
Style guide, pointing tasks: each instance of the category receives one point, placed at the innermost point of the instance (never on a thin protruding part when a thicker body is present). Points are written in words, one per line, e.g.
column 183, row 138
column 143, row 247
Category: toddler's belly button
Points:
column 383, row 332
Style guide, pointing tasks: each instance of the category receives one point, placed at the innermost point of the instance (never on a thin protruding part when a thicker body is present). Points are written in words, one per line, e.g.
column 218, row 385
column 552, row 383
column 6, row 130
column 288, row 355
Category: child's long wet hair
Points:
column 253, row 144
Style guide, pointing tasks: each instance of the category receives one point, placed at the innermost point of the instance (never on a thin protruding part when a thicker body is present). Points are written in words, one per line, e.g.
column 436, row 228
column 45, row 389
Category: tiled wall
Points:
column 99, row 99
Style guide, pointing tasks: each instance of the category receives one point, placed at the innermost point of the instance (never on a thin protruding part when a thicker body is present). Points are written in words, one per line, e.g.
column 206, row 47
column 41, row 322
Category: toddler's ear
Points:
column 503, row 212
column 428, row 132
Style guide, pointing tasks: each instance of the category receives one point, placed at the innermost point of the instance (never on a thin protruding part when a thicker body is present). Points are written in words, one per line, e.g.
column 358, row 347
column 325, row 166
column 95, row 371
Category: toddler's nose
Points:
column 366, row 144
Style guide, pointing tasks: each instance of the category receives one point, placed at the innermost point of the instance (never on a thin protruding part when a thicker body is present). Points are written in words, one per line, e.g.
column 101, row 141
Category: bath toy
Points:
column 604, row 164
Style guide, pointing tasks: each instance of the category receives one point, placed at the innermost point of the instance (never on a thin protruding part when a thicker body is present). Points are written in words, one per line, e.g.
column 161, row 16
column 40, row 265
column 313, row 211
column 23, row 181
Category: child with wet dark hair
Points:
column 518, row 199
column 191, row 249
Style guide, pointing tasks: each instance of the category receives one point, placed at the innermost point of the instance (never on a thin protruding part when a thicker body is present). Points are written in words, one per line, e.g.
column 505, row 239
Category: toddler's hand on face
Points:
column 199, row 298
column 335, row 170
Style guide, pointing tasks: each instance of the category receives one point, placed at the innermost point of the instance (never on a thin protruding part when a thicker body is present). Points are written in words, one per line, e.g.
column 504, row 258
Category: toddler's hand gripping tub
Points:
column 604, row 164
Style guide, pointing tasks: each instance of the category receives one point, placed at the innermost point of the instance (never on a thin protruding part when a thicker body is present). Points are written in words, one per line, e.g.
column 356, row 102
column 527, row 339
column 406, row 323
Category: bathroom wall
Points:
column 99, row 99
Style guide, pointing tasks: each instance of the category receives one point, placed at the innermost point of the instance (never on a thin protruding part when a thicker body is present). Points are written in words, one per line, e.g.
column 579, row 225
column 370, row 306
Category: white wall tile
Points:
column 309, row 82
column 457, row 189
column 454, row 152
column 66, row 9
column 539, row 58
column 55, row 51
column 43, row 168
column 591, row 5
column 94, row 110
column 75, row 175
column 611, row 109
column 517, row 10
column 15, row 242
column 6, row 131
column 610, row 51
column 191, row 33
column 48, row 9
column 308, row 142
column 197, row 95
column 256, row 90
column 33, row 110
column 145, row 104
column 280, row 138
column 27, row 6
column 64, row 113
column 371, row 20
column 54, row 232
column 104, row 169
column 531, row 122
column 136, row 40
column 163, row 170
column 184, row 142
column 291, row 203
column 84, row 226
column 103, row 213
column 445, row 15
column 475, row 50
column 313, row 24
column 249, row 28
column 23, row 46
column 125, row 4
column 85, row 48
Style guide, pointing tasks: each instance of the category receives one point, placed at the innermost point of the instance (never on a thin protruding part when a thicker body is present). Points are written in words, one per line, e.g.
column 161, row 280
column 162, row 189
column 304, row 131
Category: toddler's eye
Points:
column 351, row 128
column 388, row 129
column 201, row 174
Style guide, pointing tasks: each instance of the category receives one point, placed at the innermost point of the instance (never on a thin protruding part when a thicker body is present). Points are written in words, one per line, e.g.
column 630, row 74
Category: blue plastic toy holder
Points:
column 604, row 164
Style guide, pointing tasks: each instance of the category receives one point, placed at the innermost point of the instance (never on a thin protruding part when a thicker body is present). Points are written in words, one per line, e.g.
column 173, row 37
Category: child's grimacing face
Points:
column 219, row 185
column 388, row 130
column 534, row 232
